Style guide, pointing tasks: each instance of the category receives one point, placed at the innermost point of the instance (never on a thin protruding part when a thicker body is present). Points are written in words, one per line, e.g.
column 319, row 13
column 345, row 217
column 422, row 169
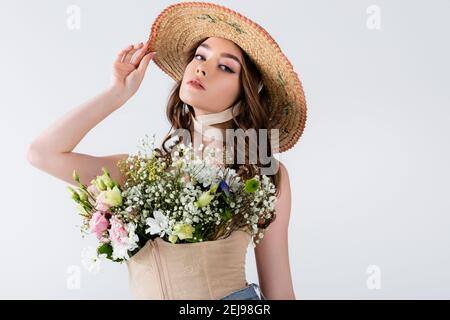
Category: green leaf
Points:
column 226, row 214
column 107, row 249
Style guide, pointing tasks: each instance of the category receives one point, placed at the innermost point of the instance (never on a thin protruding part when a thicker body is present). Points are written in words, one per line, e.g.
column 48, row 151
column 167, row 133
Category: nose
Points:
column 201, row 69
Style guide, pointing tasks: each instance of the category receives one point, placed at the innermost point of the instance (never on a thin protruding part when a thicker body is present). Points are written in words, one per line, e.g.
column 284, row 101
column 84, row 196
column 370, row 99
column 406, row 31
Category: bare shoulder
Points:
column 282, row 168
column 284, row 197
column 284, row 184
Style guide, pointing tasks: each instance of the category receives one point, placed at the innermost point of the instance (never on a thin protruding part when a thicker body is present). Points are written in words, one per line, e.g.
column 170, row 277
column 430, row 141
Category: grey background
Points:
column 369, row 177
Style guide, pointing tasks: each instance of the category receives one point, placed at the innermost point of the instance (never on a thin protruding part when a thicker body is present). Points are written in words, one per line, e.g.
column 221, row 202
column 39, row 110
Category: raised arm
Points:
column 52, row 150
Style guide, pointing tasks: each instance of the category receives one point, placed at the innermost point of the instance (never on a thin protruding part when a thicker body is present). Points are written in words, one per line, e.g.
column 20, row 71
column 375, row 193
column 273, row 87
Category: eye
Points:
column 227, row 69
column 198, row 55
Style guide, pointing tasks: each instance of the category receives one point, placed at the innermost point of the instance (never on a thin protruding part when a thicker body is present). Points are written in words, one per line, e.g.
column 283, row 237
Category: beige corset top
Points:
column 198, row 271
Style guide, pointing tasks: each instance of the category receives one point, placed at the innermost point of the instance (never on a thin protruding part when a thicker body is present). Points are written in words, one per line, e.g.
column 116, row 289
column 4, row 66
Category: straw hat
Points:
column 181, row 25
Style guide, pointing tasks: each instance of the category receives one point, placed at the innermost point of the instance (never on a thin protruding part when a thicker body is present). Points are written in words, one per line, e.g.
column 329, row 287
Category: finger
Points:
column 147, row 47
column 122, row 53
column 145, row 61
column 131, row 52
column 137, row 56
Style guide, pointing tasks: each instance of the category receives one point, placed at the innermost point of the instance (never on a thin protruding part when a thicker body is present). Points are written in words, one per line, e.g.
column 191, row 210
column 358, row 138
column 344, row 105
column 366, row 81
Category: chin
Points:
column 195, row 103
column 188, row 97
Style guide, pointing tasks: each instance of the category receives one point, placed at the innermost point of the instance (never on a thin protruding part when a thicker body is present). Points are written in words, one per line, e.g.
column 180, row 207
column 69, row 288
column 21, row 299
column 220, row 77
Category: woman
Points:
column 233, row 87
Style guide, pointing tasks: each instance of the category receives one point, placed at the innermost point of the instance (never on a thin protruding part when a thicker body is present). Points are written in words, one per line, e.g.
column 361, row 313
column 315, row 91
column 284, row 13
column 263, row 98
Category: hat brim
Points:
column 181, row 25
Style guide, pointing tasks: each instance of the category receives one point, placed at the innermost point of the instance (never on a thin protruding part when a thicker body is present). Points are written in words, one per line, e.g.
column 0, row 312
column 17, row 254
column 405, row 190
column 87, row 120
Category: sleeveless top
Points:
column 204, row 270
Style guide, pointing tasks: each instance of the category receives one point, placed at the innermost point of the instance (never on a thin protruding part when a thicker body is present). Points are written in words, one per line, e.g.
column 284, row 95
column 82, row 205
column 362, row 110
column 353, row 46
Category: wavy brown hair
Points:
column 255, row 115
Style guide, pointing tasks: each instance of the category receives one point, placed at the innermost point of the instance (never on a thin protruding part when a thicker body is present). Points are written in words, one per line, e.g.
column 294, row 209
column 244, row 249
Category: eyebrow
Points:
column 224, row 54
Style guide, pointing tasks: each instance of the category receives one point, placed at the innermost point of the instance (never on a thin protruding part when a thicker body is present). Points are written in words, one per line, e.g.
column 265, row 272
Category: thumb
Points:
column 145, row 61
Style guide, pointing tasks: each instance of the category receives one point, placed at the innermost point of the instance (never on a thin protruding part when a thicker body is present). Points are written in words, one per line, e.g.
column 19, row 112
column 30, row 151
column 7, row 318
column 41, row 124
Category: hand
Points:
column 129, row 68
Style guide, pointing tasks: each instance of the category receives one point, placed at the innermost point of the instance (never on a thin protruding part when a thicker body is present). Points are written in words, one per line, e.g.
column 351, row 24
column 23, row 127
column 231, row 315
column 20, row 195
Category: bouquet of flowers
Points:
column 178, row 196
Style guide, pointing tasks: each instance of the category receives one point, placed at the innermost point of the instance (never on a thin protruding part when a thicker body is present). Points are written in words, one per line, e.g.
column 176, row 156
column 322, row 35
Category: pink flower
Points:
column 98, row 224
column 186, row 178
column 92, row 189
column 100, row 204
column 117, row 233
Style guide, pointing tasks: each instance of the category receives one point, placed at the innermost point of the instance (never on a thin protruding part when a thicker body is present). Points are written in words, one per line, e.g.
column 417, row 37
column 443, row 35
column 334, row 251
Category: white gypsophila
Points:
column 146, row 146
column 130, row 243
column 175, row 191
column 136, row 208
column 257, row 205
column 91, row 260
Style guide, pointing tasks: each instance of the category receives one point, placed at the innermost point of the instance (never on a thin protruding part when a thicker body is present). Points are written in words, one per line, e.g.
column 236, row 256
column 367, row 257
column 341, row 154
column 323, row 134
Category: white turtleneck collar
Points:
column 203, row 123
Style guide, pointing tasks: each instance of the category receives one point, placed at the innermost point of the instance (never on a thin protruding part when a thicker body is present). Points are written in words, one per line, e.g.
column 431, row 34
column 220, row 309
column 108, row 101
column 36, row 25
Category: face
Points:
column 217, row 64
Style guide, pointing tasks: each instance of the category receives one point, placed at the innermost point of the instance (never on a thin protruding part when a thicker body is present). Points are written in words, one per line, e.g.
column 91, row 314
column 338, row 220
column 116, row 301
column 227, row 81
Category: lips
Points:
column 196, row 83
